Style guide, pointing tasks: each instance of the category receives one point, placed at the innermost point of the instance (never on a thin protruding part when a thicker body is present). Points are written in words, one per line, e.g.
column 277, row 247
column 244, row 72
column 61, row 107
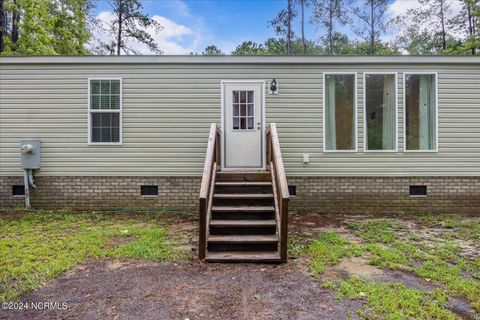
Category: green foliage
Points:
column 47, row 28
column 212, row 50
column 395, row 301
column 39, row 247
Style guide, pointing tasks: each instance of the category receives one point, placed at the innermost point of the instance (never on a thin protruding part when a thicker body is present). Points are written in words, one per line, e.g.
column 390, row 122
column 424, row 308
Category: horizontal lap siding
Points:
column 167, row 110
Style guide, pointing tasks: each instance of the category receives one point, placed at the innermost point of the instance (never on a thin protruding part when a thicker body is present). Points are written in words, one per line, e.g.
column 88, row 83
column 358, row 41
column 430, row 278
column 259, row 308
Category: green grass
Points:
column 389, row 244
column 394, row 301
column 39, row 247
column 328, row 249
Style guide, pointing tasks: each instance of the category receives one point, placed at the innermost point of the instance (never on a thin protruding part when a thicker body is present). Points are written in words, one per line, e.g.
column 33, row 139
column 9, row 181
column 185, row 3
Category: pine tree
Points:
column 372, row 22
column 282, row 24
column 129, row 23
column 328, row 13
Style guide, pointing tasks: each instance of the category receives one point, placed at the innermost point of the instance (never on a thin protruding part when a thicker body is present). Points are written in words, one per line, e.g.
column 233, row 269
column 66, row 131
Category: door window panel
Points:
column 243, row 109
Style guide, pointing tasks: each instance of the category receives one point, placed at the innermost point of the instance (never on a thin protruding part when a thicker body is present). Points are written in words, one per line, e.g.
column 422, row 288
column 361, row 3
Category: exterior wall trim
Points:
column 186, row 59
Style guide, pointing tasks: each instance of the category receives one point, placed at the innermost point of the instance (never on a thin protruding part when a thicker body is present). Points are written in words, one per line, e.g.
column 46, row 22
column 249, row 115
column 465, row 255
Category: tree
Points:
column 467, row 22
column 249, row 48
column 364, row 48
column 32, row 27
column 70, row 32
column 3, row 25
column 212, row 50
column 30, row 32
column 129, row 23
column 303, row 3
column 417, row 41
column 282, row 24
column 328, row 13
column 372, row 19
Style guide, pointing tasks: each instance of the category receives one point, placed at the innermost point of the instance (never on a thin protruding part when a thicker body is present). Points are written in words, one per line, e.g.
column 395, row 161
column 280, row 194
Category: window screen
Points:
column 105, row 111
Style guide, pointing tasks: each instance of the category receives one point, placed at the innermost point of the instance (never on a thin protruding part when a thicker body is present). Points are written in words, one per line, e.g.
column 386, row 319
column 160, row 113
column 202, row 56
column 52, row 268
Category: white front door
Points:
column 242, row 126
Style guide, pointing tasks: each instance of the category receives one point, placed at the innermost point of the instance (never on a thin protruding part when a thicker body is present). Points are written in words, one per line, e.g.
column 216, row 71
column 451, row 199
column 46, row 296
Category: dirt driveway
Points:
column 110, row 289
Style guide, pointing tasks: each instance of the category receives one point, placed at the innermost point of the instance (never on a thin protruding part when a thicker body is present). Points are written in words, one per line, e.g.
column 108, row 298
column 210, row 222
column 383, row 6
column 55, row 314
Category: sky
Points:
column 191, row 25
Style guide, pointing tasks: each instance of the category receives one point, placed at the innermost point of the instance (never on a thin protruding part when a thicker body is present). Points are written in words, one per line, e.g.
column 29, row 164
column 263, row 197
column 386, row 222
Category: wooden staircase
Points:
column 243, row 215
column 242, row 226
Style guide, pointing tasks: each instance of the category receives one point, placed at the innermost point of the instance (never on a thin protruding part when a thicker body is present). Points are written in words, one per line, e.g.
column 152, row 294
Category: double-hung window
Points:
column 380, row 113
column 420, row 111
column 340, row 112
column 105, row 111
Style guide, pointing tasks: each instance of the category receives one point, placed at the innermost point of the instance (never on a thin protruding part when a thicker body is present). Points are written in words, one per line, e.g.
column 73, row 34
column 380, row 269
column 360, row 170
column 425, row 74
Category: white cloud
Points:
column 400, row 7
column 172, row 38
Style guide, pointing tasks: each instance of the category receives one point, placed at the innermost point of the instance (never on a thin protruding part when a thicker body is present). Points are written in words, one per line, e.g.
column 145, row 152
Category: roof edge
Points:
column 197, row 59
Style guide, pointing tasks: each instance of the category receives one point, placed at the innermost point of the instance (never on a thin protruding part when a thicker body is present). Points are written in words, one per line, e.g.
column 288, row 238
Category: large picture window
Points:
column 380, row 112
column 105, row 111
column 420, row 112
column 339, row 112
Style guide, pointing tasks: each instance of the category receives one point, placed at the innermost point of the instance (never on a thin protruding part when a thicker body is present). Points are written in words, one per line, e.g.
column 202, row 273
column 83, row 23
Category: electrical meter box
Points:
column 30, row 154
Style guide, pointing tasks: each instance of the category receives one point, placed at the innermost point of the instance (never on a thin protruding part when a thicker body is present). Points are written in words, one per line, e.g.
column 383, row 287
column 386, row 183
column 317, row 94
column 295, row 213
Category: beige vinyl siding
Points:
column 167, row 110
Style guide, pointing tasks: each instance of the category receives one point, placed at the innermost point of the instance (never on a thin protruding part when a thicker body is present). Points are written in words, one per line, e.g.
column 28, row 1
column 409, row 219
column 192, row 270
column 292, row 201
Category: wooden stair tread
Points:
column 242, row 223
column 243, row 208
column 243, row 183
column 243, row 195
column 244, row 238
column 238, row 256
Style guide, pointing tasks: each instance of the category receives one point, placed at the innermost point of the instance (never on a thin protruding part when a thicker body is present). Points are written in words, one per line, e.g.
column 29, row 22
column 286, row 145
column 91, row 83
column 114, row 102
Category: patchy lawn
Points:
column 435, row 260
column 143, row 265
column 37, row 247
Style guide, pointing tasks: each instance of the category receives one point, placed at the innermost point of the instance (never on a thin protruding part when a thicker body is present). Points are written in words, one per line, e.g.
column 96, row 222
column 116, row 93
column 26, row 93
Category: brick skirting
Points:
column 314, row 194
column 385, row 194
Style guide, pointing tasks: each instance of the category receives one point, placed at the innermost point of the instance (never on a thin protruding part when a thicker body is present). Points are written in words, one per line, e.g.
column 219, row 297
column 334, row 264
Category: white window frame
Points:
column 355, row 115
column 119, row 111
column 405, row 111
column 365, row 142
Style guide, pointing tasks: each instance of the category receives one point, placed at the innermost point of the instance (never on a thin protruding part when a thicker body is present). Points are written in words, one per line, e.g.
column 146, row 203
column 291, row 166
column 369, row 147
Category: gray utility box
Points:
column 30, row 154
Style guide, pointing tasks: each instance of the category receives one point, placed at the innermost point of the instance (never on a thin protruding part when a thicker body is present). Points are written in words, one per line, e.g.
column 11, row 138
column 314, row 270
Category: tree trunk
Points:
column 372, row 27
column 470, row 24
column 330, row 26
column 302, row 2
column 120, row 26
column 15, row 22
column 289, row 28
column 3, row 25
column 442, row 17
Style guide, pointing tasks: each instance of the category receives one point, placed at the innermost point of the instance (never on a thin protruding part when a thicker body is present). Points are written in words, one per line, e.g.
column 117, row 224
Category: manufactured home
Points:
column 231, row 136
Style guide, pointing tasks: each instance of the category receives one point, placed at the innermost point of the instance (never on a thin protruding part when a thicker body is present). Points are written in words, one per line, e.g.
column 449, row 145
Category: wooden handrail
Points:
column 280, row 185
column 212, row 159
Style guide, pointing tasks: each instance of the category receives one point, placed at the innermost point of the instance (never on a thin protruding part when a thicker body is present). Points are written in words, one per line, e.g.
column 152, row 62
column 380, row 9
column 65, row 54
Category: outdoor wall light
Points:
column 273, row 87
